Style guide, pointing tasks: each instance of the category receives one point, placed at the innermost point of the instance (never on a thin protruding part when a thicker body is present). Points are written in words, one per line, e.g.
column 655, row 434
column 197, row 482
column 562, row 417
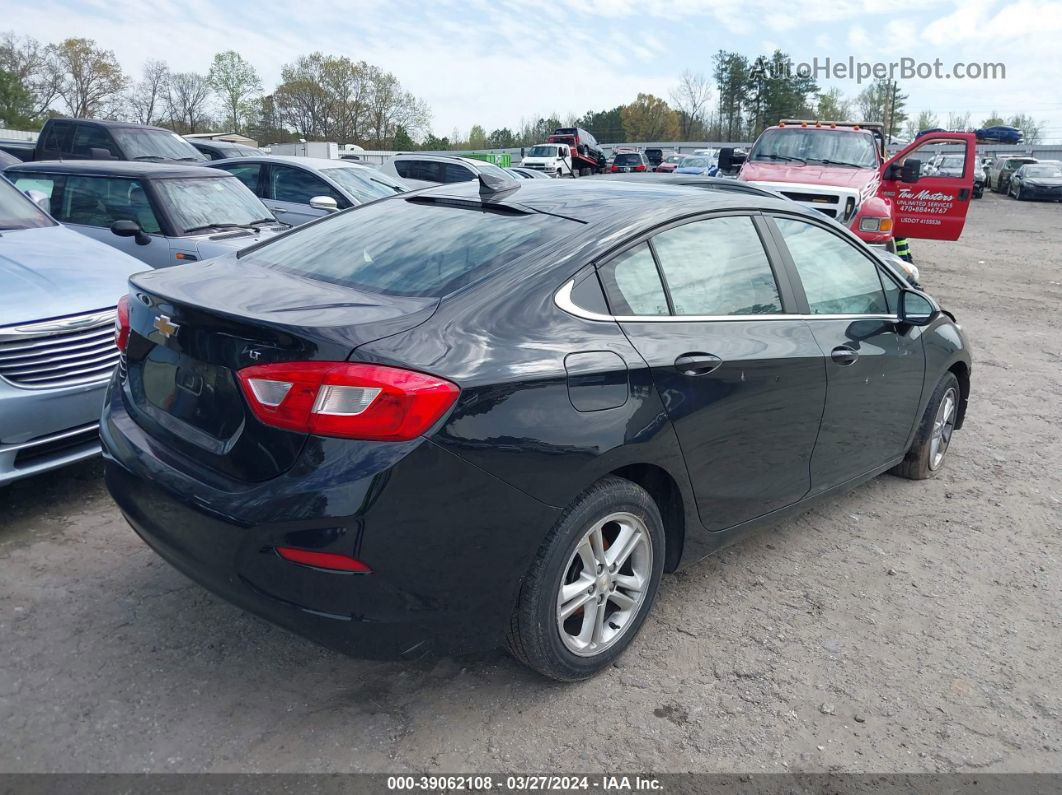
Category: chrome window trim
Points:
column 563, row 299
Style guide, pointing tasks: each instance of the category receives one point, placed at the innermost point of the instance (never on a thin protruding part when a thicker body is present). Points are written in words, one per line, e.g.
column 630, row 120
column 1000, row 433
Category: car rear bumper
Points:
column 447, row 543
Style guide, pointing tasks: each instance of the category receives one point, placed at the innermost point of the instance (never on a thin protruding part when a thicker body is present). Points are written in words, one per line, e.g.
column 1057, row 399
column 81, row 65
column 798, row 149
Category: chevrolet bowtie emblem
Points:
column 165, row 327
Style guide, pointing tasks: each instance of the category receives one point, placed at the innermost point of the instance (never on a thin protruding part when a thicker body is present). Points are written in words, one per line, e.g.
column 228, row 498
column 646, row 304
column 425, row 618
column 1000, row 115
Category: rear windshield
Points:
column 628, row 160
column 411, row 248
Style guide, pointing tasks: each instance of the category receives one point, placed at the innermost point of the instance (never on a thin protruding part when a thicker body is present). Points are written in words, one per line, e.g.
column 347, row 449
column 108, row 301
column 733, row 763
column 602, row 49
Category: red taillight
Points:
column 615, row 169
column 121, row 324
column 323, row 560
column 346, row 399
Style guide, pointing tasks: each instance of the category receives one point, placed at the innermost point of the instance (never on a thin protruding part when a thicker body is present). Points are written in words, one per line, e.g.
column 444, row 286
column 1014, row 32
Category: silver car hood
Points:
column 53, row 271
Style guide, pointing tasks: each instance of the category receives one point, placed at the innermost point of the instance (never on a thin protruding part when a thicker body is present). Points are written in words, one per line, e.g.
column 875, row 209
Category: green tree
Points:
column 402, row 142
column 605, row 125
column 777, row 91
column 832, row 105
column 926, row 120
column 995, row 120
column 650, row 118
column 731, row 74
column 16, row 103
column 501, row 139
column 477, row 137
column 1032, row 130
column 237, row 83
column 882, row 101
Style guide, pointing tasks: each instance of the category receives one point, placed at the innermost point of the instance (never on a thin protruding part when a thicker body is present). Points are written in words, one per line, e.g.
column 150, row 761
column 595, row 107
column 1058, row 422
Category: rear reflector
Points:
column 323, row 560
column 346, row 399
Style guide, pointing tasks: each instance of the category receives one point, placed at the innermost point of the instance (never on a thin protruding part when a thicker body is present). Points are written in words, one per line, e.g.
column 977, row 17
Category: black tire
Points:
column 918, row 464
column 534, row 635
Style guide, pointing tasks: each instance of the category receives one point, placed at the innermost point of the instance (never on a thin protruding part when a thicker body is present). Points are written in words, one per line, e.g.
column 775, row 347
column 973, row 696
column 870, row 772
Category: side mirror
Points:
column 127, row 228
column 326, row 203
column 911, row 171
column 99, row 153
column 916, row 309
column 726, row 158
column 41, row 200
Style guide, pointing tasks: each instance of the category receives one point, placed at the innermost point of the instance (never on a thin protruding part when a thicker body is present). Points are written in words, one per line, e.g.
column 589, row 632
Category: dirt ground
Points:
column 904, row 627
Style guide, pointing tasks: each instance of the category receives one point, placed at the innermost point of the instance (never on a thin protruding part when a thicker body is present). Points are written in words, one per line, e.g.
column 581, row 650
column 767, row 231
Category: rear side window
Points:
column 837, row 278
column 426, row 170
column 403, row 247
column 633, row 283
column 100, row 201
column 717, row 267
column 247, row 174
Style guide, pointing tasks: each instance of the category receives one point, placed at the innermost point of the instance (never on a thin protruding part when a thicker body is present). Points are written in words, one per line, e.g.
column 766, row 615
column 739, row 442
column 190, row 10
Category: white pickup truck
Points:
column 554, row 159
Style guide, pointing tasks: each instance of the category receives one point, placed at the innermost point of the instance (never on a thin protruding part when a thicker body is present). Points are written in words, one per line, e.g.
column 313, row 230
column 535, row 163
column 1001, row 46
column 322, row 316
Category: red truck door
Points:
column 932, row 204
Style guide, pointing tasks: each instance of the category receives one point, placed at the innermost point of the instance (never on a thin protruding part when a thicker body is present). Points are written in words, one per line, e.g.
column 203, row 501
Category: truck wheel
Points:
column 584, row 172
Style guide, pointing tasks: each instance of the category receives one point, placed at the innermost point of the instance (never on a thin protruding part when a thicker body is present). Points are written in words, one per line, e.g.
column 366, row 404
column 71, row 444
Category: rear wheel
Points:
column 584, row 172
column 930, row 446
column 592, row 584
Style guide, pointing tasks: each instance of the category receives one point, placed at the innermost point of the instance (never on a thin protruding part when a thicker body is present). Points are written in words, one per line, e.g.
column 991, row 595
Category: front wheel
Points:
column 926, row 455
column 592, row 584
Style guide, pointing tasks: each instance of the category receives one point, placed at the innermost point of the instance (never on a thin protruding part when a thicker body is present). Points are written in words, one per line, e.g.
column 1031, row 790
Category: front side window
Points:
column 633, row 283
column 838, row 279
column 198, row 203
column 298, row 186
column 60, row 137
column 717, row 267
column 100, row 201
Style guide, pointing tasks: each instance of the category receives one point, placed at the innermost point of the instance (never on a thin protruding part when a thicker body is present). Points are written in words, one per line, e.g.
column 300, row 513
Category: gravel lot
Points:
column 904, row 627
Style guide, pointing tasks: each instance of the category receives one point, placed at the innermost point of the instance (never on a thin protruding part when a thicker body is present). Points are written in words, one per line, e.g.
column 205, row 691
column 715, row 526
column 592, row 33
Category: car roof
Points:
column 470, row 161
column 113, row 123
column 613, row 202
column 120, row 168
column 312, row 163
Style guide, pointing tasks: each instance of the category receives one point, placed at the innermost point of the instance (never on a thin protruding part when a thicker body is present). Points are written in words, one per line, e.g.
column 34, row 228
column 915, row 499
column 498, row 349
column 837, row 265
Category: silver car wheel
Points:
column 943, row 425
column 604, row 584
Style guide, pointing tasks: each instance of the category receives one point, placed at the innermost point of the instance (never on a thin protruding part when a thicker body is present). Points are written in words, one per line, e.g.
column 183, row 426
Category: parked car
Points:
column 486, row 410
column 1001, row 169
column 1037, row 181
column 527, row 173
column 300, row 189
column 220, row 150
column 162, row 214
column 423, row 170
column 947, row 165
column 696, row 164
column 629, row 161
column 1001, row 134
column 670, row 163
column 57, row 348
column 94, row 139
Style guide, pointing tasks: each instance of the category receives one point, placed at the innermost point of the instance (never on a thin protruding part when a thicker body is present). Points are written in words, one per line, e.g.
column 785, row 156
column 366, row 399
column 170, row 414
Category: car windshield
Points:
column 675, row 159
column 17, row 211
column 628, row 160
column 409, row 247
column 207, row 203
column 542, row 151
column 833, row 147
column 695, row 162
column 1042, row 171
column 141, row 143
column 364, row 184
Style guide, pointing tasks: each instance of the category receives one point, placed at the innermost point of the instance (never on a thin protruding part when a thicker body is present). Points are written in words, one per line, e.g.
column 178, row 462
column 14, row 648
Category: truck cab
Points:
column 94, row 139
column 553, row 159
column 840, row 169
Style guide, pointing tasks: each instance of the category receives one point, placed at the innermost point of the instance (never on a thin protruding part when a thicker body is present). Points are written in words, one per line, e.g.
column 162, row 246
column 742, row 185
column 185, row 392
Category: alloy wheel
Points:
column 604, row 584
column 943, row 425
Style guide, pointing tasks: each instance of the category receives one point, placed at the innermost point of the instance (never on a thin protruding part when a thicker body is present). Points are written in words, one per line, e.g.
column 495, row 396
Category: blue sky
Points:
column 494, row 63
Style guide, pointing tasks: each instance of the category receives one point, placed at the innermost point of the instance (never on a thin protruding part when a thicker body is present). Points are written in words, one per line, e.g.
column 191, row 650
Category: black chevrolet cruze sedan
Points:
column 484, row 414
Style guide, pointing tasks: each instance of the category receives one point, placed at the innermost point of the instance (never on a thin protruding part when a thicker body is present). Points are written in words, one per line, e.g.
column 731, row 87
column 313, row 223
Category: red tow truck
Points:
column 840, row 169
column 587, row 157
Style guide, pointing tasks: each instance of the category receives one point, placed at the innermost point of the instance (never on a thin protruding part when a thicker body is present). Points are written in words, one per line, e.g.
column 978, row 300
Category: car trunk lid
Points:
column 193, row 327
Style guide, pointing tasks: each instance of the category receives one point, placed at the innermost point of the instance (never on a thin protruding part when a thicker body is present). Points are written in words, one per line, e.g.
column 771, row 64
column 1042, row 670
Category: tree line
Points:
column 334, row 98
column 319, row 97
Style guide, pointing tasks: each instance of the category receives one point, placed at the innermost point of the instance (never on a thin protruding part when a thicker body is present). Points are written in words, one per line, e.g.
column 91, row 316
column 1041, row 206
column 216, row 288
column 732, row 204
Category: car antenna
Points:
column 494, row 188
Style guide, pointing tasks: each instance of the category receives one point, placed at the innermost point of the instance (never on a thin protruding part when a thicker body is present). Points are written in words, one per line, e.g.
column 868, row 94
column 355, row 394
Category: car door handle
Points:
column 843, row 355
column 697, row 363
